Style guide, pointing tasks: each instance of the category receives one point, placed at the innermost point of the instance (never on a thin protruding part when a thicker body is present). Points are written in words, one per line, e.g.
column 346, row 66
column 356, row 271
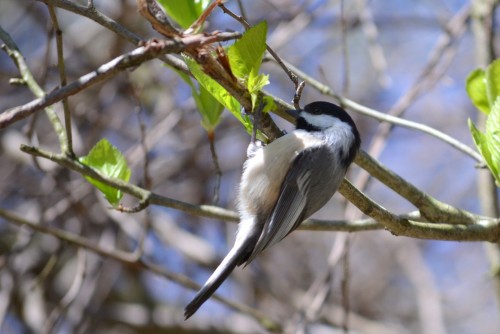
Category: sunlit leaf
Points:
column 480, row 141
column 109, row 161
column 208, row 106
column 184, row 12
column 247, row 52
column 210, row 109
column 269, row 104
column 493, row 138
column 483, row 146
column 219, row 92
column 255, row 83
column 477, row 91
column 493, row 81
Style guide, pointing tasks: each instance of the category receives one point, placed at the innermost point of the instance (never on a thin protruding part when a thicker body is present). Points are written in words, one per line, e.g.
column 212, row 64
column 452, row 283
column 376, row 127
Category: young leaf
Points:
column 209, row 107
column 269, row 104
column 493, row 81
column 493, row 138
column 483, row 144
column 493, row 120
column 255, row 83
column 480, row 141
column 107, row 160
column 476, row 89
column 219, row 92
column 246, row 53
column 184, row 12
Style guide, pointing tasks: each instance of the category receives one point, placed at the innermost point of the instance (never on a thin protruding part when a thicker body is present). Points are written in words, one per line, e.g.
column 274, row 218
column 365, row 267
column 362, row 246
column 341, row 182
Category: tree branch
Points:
column 119, row 64
column 68, row 147
column 130, row 258
column 383, row 117
column 485, row 229
column 11, row 48
column 470, row 228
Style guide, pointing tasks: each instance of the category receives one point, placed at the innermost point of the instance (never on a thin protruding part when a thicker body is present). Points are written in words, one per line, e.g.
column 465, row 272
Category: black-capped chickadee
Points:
column 284, row 183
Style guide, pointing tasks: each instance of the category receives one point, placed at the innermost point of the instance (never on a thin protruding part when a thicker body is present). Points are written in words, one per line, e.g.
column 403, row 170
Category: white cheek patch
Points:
column 321, row 121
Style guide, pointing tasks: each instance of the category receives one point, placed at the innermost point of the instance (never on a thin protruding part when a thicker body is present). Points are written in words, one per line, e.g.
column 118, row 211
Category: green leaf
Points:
column 269, row 104
column 184, row 12
column 493, row 120
column 482, row 143
column 107, row 160
column 493, row 138
column 245, row 57
column 209, row 107
column 246, row 53
column 255, row 83
column 493, row 81
column 477, row 91
column 219, row 92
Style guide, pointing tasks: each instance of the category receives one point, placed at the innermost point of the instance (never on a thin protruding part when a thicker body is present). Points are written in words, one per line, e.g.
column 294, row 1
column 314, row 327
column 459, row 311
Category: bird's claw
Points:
column 253, row 147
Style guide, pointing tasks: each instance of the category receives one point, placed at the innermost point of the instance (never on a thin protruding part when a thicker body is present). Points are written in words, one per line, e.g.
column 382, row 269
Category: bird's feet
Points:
column 253, row 147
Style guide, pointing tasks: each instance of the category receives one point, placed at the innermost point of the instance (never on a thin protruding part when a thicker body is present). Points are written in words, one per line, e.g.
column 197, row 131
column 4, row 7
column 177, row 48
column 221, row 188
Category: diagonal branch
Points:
column 119, row 64
column 11, row 48
column 383, row 117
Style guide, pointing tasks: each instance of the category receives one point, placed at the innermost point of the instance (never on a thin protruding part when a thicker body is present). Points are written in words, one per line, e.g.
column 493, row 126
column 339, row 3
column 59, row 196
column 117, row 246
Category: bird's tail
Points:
column 232, row 259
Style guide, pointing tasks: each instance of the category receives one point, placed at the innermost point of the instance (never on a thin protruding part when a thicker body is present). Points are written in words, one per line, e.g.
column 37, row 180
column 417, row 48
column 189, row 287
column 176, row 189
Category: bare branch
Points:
column 119, row 64
column 130, row 258
column 62, row 77
column 461, row 225
column 10, row 47
column 383, row 117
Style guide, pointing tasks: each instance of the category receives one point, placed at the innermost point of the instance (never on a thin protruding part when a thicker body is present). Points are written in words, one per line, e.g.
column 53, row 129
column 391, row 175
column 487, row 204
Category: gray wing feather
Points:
column 309, row 184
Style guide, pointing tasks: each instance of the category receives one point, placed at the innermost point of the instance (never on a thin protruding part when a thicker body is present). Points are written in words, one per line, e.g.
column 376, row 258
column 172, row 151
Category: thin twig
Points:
column 293, row 77
column 298, row 94
column 383, row 117
column 143, row 204
column 141, row 241
column 46, row 271
column 130, row 258
column 92, row 13
column 218, row 171
column 13, row 51
column 345, row 49
column 62, row 78
column 345, row 285
column 242, row 10
column 427, row 78
column 119, row 64
column 427, row 294
column 70, row 295
column 370, row 30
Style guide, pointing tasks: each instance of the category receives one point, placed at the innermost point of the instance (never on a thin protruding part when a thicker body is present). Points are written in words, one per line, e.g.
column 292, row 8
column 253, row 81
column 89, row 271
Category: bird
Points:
column 284, row 183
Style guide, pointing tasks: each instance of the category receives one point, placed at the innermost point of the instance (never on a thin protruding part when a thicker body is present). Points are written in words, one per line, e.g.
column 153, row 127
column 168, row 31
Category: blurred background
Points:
column 401, row 56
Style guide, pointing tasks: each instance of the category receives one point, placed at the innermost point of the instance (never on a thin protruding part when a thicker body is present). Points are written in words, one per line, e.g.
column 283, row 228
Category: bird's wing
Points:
column 309, row 184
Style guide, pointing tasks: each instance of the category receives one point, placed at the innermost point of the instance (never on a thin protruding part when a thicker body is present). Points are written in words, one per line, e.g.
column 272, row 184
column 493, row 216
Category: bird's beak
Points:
column 294, row 113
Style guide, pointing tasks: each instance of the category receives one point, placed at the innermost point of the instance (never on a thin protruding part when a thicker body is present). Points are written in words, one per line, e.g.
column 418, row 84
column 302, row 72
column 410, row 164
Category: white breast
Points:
column 264, row 173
